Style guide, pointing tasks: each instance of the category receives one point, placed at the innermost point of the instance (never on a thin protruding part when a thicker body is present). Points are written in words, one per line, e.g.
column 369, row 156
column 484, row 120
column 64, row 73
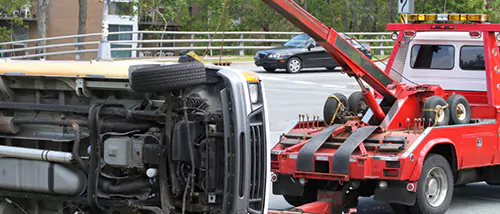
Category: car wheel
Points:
column 270, row 69
column 294, row 65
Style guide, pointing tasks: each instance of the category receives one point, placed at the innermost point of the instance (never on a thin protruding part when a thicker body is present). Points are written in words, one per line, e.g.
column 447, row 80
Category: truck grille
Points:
column 258, row 170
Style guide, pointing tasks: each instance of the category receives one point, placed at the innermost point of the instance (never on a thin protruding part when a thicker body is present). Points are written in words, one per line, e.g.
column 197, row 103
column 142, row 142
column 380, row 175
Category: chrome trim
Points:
column 292, row 156
column 392, row 112
column 384, row 158
column 276, row 152
column 322, row 158
column 424, row 134
column 417, row 142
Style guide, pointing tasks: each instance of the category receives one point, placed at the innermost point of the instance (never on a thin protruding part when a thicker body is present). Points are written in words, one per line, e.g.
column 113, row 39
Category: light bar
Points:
column 447, row 17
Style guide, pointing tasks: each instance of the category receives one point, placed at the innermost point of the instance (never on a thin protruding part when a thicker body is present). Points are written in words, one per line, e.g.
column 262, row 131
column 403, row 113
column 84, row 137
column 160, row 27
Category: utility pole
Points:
column 104, row 51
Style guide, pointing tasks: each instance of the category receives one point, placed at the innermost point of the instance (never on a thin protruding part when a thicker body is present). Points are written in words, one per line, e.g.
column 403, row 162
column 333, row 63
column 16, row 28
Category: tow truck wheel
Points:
column 310, row 195
column 436, row 112
column 435, row 186
column 294, row 65
column 357, row 103
column 459, row 109
column 332, row 109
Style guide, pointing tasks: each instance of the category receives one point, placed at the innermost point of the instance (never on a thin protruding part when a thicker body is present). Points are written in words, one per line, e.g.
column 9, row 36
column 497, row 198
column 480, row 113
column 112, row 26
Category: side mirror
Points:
column 310, row 46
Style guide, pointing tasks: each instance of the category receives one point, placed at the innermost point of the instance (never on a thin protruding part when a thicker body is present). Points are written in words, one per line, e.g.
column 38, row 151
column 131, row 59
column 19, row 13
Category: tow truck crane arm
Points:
column 352, row 61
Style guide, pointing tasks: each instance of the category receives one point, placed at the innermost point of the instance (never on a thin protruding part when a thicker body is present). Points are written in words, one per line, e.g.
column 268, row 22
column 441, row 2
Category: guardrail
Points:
column 147, row 43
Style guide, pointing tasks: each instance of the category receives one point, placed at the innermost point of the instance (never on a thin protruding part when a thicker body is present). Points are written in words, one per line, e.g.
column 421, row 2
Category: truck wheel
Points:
column 330, row 108
column 157, row 78
column 310, row 195
column 294, row 65
column 436, row 112
column 435, row 186
column 357, row 103
column 459, row 109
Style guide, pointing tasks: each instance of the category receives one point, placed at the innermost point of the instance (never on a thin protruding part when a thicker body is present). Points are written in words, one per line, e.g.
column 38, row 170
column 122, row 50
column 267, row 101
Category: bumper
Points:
column 271, row 63
column 247, row 168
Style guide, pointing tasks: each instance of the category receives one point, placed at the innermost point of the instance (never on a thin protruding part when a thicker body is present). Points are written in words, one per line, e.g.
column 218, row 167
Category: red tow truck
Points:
column 418, row 139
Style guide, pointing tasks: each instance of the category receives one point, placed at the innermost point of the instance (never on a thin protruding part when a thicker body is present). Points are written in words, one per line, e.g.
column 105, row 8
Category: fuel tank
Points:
column 41, row 177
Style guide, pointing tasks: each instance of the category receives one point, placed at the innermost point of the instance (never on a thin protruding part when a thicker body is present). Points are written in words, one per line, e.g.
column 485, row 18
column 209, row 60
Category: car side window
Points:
column 472, row 58
column 433, row 57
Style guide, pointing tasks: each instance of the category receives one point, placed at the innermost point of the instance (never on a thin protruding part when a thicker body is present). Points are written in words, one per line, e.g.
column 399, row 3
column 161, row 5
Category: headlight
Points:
column 253, row 88
column 276, row 55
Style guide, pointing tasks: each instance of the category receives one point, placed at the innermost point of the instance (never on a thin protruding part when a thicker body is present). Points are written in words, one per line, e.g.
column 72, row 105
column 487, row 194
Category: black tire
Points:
column 357, row 103
column 422, row 205
column 157, row 78
column 310, row 195
column 331, row 106
column 459, row 109
column 429, row 114
column 270, row 69
column 294, row 65
column 400, row 209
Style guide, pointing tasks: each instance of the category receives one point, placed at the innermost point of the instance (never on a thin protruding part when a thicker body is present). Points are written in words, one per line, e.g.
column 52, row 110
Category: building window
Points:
column 121, row 54
column 20, row 33
column 120, row 8
column 120, row 37
column 120, row 28
column 433, row 57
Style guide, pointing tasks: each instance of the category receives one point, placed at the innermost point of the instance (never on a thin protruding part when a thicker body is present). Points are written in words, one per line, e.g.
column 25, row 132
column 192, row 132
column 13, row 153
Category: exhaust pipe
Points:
column 36, row 154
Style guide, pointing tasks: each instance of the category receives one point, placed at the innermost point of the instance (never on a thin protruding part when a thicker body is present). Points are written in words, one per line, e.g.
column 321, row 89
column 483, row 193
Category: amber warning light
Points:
column 447, row 17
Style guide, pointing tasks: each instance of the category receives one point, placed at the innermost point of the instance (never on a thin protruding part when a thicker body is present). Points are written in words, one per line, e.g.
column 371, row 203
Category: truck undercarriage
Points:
column 157, row 143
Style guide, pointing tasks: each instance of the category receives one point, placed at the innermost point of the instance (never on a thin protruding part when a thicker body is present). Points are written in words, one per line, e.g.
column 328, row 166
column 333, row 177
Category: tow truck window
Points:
column 472, row 58
column 432, row 57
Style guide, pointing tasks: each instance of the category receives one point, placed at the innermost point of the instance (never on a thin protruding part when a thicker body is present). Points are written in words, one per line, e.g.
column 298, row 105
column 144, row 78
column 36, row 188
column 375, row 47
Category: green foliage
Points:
column 6, row 6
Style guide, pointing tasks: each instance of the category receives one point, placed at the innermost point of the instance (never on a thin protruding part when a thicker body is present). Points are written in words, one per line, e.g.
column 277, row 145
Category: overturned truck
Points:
column 128, row 137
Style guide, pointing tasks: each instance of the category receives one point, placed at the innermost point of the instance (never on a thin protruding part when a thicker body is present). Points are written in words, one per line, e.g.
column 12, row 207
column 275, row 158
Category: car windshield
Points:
column 299, row 41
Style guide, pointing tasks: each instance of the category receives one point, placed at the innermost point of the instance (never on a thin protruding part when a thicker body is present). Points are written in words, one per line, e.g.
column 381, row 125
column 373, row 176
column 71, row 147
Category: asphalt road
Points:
column 305, row 93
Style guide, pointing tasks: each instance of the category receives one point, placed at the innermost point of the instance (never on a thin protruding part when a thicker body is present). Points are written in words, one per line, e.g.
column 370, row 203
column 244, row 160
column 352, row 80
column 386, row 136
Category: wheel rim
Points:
column 294, row 65
column 440, row 113
column 461, row 111
column 436, row 187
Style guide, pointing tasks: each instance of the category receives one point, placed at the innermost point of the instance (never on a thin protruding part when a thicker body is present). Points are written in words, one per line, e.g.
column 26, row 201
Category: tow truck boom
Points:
column 352, row 61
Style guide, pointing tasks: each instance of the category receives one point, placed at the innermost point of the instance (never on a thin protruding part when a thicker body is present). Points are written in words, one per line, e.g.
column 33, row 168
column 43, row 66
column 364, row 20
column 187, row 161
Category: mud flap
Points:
column 305, row 158
column 341, row 158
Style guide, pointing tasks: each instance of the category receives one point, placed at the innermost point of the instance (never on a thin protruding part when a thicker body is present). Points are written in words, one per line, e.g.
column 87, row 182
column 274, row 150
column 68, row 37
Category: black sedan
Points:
column 302, row 52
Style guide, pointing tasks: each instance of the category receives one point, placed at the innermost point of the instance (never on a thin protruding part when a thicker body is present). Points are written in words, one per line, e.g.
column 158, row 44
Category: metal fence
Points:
column 152, row 43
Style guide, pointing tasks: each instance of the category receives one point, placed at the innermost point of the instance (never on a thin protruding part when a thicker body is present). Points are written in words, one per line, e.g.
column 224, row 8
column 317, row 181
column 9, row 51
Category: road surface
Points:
column 305, row 93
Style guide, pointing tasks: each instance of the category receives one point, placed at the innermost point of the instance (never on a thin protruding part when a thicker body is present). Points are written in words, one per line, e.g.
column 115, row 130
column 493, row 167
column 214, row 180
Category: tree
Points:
column 6, row 8
column 82, row 23
column 42, row 7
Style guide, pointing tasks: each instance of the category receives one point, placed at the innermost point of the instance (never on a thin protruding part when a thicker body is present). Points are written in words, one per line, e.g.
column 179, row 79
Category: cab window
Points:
column 472, row 58
column 432, row 57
